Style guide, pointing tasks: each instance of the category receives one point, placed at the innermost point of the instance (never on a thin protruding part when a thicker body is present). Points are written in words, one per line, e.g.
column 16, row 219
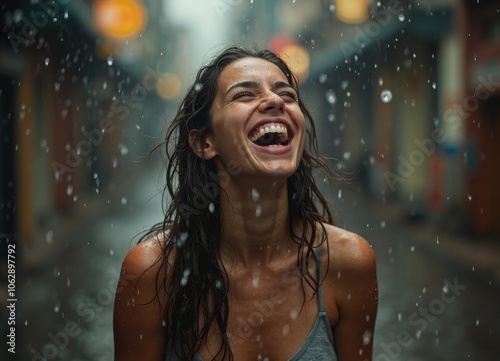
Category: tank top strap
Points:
column 321, row 305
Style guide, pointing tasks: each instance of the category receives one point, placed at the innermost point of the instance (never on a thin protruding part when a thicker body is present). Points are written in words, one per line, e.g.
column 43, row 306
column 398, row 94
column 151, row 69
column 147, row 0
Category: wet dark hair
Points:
column 191, row 272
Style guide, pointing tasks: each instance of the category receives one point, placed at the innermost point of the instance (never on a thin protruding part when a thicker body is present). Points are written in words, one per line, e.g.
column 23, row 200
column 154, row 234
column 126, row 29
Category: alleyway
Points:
column 432, row 307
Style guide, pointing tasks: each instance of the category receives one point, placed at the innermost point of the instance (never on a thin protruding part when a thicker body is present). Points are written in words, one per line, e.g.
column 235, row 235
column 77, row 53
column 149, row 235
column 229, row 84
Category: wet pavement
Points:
column 432, row 306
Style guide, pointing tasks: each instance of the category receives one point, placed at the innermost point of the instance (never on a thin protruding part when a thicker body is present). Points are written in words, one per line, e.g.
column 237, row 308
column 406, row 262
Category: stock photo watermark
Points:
column 87, row 309
column 421, row 319
column 454, row 118
column 11, row 293
column 46, row 12
column 370, row 30
column 121, row 108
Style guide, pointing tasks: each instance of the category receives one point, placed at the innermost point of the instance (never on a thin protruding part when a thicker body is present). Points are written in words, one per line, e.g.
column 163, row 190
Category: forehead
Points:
column 250, row 69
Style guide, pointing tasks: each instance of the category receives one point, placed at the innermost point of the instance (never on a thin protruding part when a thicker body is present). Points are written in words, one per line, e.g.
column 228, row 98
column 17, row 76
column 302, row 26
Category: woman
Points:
column 246, row 265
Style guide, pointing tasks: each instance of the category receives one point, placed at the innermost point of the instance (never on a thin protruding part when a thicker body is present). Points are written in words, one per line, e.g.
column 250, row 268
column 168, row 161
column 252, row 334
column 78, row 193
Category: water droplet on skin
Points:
column 386, row 96
column 258, row 211
column 255, row 282
column 211, row 207
column 293, row 314
column 286, row 329
column 255, row 195
column 367, row 336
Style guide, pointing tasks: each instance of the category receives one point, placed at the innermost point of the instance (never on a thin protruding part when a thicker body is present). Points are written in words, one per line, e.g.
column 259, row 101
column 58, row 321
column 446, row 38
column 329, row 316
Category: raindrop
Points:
column 400, row 316
column 218, row 284
column 66, row 14
column 331, row 117
column 114, row 162
column 211, row 207
column 185, row 276
column 111, row 252
column 109, row 60
column 446, row 288
column 380, row 81
column 344, row 84
column 412, row 249
column 477, row 322
column 293, row 314
column 255, row 282
column 69, row 190
column 340, row 194
column 255, row 195
column 386, row 96
column 347, row 155
column 49, row 237
column 401, row 17
column 198, row 87
column 258, row 211
column 124, row 200
column 330, row 97
column 68, row 282
column 57, row 86
column 367, row 336
column 56, row 309
column 418, row 333
column 286, row 329
column 469, row 197
column 382, row 224
column 183, row 236
column 323, row 78
column 433, row 85
column 123, row 149
column 47, row 61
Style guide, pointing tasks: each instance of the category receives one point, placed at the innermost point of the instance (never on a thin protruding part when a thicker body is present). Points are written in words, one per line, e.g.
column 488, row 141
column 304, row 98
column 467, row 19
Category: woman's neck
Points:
column 255, row 229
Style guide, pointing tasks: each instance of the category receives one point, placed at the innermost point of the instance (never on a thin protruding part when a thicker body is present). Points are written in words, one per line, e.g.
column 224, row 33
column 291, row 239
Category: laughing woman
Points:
column 247, row 264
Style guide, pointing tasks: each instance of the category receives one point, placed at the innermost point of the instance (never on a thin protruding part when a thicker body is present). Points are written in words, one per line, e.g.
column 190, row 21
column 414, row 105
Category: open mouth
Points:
column 271, row 135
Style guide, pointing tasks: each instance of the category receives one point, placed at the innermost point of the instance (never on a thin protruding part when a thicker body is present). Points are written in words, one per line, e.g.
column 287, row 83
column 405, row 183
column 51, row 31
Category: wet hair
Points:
column 191, row 272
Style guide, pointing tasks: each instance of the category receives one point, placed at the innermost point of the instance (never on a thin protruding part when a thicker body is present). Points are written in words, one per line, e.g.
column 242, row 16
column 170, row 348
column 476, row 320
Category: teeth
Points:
column 271, row 129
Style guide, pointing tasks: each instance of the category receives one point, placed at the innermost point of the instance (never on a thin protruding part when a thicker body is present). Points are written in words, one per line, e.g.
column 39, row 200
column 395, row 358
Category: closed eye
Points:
column 290, row 95
column 242, row 94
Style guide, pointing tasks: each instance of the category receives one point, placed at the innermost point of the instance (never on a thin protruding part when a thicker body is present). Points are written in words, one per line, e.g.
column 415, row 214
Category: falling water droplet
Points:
column 47, row 61
column 258, row 211
column 401, row 17
column 386, row 96
column 109, row 60
column 49, row 237
column 331, row 97
column 255, row 195
column 367, row 336
column 323, row 78
column 211, row 207
column 124, row 200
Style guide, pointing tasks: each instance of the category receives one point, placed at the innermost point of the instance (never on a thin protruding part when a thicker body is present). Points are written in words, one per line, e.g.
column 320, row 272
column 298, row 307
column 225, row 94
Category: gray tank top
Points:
column 319, row 345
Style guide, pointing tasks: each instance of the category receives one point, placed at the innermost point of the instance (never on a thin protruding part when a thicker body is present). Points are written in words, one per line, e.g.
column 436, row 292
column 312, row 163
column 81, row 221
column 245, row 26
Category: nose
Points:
column 272, row 102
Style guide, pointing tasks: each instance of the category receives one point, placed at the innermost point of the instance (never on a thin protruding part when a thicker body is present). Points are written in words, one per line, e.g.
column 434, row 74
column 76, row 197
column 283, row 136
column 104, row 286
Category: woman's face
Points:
column 257, row 122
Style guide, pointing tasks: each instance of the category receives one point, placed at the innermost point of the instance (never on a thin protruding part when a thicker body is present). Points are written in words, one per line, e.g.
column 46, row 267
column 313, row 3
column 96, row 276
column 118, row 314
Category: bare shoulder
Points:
column 349, row 251
column 143, row 258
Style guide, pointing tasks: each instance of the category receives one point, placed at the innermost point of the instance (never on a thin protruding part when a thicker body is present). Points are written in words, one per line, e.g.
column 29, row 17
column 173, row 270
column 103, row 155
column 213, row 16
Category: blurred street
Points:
column 433, row 304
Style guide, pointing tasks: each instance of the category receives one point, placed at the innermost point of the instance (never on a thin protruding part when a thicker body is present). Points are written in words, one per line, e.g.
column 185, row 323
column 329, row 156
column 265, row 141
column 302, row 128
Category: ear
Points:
column 203, row 148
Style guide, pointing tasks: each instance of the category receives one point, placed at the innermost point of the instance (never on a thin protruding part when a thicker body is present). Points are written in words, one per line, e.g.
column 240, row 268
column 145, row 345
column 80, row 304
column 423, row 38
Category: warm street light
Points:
column 351, row 11
column 295, row 55
column 119, row 19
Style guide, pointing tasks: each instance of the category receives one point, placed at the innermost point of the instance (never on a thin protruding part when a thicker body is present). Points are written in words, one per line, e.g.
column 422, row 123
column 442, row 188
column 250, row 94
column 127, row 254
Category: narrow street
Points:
column 430, row 307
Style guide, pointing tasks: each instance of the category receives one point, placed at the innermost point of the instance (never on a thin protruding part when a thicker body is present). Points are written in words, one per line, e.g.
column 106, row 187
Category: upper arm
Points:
column 357, row 300
column 138, row 327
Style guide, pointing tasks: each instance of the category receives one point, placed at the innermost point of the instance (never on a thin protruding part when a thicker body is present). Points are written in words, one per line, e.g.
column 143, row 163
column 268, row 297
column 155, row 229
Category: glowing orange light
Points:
column 119, row 19
column 352, row 11
column 169, row 86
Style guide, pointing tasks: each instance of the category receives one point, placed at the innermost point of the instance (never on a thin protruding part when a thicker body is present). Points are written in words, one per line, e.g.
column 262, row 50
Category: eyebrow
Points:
column 253, row 84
